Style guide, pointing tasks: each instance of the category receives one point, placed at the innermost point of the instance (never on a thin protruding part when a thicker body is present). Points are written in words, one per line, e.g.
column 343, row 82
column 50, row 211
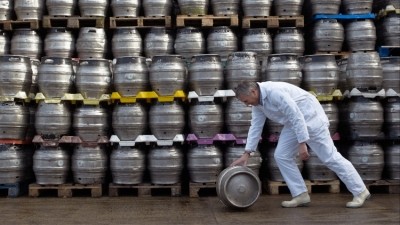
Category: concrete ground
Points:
column 325, row 209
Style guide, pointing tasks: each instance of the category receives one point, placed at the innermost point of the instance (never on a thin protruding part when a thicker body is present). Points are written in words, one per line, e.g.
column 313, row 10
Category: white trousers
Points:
column 322, row 144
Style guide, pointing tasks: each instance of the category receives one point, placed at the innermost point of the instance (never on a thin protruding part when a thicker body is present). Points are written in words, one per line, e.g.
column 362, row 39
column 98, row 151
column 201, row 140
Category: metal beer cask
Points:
column 129, row 121
column 92, row 43
column 93, row 8
column 51, row 165
column 26, row 42
column 166, row 120
column 204, row 163
column 53, row 119
column 15, row 75
column 237, row 118
column 221, row 40
column 89, row 164
column 165, row 165
column 127, row 165
column 256, row 7
column 59, row 42
column 14, row 162
column 126, row 42
column 257, row 40
column 282, row 67
column 206, row 74
column 90, row 122
column 368, row 159
column 189, row 41
column 130, row 75
column 126, row 7
column 241, row 66
column 328, row 35
column 61, row 7
column 206, row 119
column 14, row 121
column 55, row 77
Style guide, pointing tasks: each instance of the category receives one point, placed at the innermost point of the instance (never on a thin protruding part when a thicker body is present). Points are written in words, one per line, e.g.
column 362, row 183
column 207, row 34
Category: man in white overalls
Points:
column 305, row 123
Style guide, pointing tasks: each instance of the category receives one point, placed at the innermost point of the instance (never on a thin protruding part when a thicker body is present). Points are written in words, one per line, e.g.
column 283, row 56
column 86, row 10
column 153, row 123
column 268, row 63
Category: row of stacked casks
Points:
column 328, row 35
column 35, row 9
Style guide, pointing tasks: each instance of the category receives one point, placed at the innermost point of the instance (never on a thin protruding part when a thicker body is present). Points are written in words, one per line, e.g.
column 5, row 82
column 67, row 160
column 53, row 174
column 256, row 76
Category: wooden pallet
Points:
column 15, row 189
column 274, row 187
column 140, row 22
column 144, row 190
column 273, row 21
column 65, row 190
column 15, row 141
column 392, row 186
column 73, row 21
column 194, row 188
column 15, row 24
column 206, row 21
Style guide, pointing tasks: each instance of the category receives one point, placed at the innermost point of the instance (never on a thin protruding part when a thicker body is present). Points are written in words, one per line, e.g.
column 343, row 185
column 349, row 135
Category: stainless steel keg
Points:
column 93, row 7
column 61, row 7
column 235, row 152
column 127, row 165
column 126, row 42
column 26, row 42
column 166, row 120
column 221, row 40
column 256, row 7
column 157, row 7
column 89, row 164
column 257, row 40
column 14, row 162
column 59, row 42
column 325, row 6
column 29, row 10
column 316, row 169
column 193, row 7
column 90, row 122
column 364, row 117
column 129, row 121
column 328, row 35
column 131, row 75
column 165, row 165
column 390, row 31
column 273, row 169
column 391, row 71
column 320, row 73
column 53, row 119
column 6, row 9
column 332, row 112
column 238, row 187
column 357, row 6
column 14, row 121
column 392, row 161
column 242, row 66
column 288, row 7
column 15, row 75
column 361, row 35
column 167, row 74
column 368, row 159
column 34, row 88
column 126, row 7
column 93, row 78
column 206, row 74
column 55, row 77
column 237, row 118
column 5, row 43
column 206, row 119
column 364, row 70
column 225, row 7
column 189, row 41
column 92, row 43
column 392, row 117
column 282, row 67
column 158, row 41
column 51, row 165
column 289, row 40
column 204, row 163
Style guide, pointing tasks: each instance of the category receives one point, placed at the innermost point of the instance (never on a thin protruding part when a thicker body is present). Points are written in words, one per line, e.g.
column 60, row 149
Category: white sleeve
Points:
column 289, row 108
column 257, row 124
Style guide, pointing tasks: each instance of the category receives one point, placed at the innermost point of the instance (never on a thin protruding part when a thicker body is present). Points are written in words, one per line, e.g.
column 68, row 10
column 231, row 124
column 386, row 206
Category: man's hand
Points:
column 242, row 160
column 303, row 151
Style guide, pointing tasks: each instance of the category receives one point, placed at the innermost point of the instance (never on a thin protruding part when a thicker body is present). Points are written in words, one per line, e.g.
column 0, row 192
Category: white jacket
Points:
column 289, row 105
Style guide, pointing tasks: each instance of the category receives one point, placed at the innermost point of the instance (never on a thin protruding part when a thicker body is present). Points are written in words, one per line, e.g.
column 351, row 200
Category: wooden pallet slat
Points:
column 73, row 21
column 273, row 187
column 15, row 24
column 392, row 186
column 65, row 190
column 140, row 22
column 206, row 21
column 273, row 21
column 194, row 188
column 145, row 189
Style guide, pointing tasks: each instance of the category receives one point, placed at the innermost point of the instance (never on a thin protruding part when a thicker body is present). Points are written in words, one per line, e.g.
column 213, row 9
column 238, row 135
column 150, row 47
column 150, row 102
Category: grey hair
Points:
column 244, row 88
